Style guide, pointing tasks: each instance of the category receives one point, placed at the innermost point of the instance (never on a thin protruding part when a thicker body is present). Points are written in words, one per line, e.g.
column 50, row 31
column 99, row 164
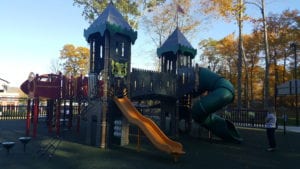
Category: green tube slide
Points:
column 220, row 94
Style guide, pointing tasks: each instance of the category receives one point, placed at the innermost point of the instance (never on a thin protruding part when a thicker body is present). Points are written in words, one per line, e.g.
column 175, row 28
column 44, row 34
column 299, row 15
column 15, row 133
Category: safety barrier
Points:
column 19, row 111
column 12, row 112
column 246, row 117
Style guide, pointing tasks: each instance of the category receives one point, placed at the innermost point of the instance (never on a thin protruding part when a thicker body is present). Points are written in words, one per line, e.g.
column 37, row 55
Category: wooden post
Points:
column 105, row 97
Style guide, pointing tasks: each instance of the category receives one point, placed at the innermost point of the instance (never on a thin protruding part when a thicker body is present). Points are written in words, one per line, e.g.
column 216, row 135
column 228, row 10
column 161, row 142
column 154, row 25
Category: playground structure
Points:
column 112, row 90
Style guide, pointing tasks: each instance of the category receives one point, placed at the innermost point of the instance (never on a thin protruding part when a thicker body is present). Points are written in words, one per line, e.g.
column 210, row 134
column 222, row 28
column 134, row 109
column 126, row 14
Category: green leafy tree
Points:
column 130, row 9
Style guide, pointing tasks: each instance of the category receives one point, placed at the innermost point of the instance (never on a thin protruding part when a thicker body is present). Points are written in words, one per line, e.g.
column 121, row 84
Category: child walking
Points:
column 271, row 127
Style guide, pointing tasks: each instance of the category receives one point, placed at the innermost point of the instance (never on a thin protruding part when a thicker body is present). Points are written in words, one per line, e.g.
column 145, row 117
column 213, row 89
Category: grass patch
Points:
column 290, row 121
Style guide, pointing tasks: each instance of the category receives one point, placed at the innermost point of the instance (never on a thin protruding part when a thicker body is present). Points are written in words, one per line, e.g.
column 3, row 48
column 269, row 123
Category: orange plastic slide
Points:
column 150, row 129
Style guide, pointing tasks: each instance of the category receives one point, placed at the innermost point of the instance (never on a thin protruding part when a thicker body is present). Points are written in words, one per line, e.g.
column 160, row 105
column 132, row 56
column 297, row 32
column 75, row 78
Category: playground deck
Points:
column 200, row 152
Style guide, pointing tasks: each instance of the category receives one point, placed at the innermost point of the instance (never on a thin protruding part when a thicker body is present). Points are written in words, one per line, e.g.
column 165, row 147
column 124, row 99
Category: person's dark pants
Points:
column 271, row 137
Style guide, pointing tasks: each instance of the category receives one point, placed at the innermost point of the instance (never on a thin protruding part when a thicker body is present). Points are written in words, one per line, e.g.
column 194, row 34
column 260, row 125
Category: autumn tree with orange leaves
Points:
column 74, row 60
column 230, row 10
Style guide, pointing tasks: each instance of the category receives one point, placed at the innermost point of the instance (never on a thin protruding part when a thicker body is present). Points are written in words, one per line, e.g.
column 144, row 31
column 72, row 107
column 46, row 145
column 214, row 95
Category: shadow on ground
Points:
column 200, row 152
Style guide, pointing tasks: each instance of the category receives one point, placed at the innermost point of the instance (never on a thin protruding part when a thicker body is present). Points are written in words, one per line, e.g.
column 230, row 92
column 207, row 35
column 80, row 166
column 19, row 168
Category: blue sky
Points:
column 32, row 33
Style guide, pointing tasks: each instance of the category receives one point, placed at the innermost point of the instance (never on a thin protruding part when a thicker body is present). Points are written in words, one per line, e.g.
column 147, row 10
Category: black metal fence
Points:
column 242, row 117
column 12, row 112
column 19, row 111
column 246, row 117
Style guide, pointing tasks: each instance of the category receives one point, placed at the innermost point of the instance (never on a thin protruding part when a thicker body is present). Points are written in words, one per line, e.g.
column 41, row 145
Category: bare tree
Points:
column 56, row 66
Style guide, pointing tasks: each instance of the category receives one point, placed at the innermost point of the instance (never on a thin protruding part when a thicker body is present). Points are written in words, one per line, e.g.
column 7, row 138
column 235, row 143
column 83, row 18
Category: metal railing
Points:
column 246, row 117
column 242, row 117
column 12, row 112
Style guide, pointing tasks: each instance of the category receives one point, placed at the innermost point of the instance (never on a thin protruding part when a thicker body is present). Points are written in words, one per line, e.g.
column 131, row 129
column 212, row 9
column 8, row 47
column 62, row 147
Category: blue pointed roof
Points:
column 112, row 20
column 176, row 42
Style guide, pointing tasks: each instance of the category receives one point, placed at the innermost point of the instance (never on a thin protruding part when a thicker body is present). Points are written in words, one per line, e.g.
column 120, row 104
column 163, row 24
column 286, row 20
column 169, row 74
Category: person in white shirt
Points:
column 271, row 127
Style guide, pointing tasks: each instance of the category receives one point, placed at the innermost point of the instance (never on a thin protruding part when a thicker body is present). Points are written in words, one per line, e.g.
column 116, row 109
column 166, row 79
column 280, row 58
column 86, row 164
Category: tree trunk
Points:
column 284, row 65
column 266, row 81
column 251, row 82
column 240, row 53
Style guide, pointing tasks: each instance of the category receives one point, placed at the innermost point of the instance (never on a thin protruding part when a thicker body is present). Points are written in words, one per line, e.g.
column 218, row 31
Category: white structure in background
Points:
column 289, row 88
column 8, row 96
column 3, row 85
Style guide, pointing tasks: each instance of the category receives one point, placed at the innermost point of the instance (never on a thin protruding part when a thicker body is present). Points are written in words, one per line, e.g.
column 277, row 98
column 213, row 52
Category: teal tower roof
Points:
column 113, row 21
column 177, row 42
